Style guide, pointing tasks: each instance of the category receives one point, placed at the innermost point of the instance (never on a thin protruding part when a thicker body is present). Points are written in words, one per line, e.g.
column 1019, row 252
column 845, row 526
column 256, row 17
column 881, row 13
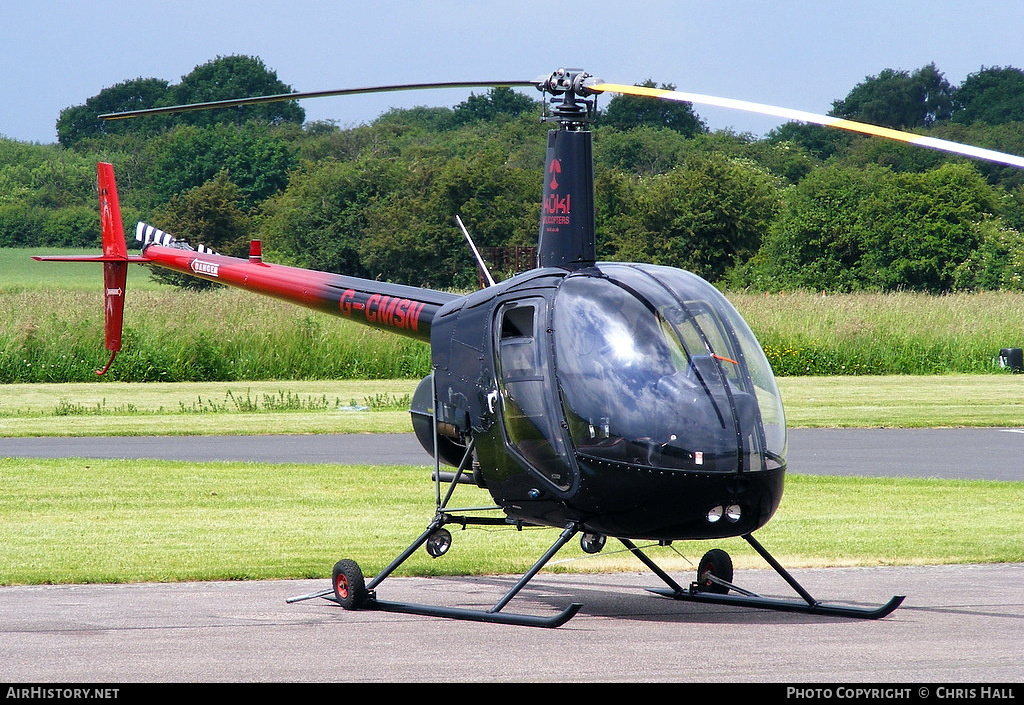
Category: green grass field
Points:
column 19, row 272
column 51, row 330
column 72, row 521
column 116, row 521
column 365, row 406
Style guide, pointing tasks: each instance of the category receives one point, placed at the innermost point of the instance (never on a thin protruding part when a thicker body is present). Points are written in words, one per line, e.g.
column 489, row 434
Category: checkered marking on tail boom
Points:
column 149, row 235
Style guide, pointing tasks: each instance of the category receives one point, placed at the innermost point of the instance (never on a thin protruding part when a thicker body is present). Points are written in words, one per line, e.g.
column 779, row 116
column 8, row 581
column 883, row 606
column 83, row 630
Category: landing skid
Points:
column 494, row 614
column 350, row 592
column 714, row 589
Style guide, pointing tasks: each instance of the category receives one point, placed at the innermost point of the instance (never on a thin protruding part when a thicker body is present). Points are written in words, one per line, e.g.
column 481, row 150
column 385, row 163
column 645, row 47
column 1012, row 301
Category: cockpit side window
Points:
column 530, row 415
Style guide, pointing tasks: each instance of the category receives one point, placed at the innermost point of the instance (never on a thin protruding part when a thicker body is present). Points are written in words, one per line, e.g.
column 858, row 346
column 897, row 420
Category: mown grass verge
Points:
column 205, row 408
column 76, row 521
column 381, row 406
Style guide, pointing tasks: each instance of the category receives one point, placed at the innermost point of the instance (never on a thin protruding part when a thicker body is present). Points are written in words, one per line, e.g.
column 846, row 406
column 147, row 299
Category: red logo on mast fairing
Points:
column 555, row 167
column 556, row 208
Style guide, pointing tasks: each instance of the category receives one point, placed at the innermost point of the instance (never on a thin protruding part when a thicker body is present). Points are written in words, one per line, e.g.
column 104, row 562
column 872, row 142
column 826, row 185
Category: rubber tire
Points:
column 719, row 564
column 349, row 584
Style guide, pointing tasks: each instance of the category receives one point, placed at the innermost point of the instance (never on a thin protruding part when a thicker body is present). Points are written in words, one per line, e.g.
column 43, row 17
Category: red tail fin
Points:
column 115, row 263
column 110, row 213
column 115, row 260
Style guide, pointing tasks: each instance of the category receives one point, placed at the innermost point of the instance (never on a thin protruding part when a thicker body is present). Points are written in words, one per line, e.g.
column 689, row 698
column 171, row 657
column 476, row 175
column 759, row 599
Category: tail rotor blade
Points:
column 813, row 118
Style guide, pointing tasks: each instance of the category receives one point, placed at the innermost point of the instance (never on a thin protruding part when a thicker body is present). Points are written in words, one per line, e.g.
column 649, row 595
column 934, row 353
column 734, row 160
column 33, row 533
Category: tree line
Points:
column 803, row 207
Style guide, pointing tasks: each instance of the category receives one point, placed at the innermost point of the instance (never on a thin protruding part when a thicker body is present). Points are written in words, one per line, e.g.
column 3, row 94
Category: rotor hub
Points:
column 569, row 105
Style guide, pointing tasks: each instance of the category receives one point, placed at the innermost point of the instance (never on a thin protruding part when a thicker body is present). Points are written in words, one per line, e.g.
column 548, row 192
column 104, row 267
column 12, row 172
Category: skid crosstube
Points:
column 442, row 517
column 493, row 615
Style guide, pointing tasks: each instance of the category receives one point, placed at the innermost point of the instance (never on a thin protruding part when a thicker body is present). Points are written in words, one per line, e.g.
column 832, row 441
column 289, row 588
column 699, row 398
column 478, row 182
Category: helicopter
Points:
column 603, row 399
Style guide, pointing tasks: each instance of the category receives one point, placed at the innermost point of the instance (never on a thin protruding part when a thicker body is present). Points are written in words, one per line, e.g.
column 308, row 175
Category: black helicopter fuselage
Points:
column 631, row 399
column 614, row 399
column 627, row 400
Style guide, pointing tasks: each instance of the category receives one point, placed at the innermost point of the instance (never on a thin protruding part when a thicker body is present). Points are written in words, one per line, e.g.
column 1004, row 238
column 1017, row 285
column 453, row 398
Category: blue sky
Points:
column 804, row 55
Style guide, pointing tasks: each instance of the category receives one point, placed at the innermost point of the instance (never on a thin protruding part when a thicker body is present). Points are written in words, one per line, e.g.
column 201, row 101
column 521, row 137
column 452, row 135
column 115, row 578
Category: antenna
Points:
column 476, row 252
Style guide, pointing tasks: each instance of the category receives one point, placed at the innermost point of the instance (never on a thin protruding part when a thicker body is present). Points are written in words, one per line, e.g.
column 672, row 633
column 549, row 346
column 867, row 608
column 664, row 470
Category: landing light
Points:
column 714, row 514
column 733, row 513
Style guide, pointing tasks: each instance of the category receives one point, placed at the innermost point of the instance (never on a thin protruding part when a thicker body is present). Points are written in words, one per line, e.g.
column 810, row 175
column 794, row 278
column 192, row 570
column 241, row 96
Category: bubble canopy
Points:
column 657, row 369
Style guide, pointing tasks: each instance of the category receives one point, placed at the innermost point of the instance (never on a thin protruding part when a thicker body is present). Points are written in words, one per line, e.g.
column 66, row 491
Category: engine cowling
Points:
column 450, row 449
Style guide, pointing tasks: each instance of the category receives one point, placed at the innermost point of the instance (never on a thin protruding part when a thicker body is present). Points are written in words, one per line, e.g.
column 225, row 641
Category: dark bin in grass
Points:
column 1011, row 359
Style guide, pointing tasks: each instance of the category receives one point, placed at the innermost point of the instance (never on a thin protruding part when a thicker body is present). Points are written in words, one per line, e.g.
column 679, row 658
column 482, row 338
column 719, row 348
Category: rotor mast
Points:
column 567, row 225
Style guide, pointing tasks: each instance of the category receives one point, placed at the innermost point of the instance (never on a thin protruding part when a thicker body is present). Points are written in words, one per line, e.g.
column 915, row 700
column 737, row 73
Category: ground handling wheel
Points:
column 718, row 564
column 349, row 584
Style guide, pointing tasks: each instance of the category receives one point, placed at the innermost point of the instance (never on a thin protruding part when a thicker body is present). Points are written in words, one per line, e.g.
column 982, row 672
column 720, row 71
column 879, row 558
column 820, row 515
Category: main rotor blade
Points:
column 802, row 116
column 235, row 102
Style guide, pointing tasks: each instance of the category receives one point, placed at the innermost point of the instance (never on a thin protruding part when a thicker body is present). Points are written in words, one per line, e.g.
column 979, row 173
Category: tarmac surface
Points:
column 968, row 453
column 958, row 624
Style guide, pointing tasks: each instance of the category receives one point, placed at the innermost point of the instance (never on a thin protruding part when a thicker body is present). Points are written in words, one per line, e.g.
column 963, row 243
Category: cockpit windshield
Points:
column 657, row 369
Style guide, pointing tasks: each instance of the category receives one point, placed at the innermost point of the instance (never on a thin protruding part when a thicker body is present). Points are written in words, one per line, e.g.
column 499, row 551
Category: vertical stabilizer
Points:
column 115, row 263
column 110, row 213
column 115, row 260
